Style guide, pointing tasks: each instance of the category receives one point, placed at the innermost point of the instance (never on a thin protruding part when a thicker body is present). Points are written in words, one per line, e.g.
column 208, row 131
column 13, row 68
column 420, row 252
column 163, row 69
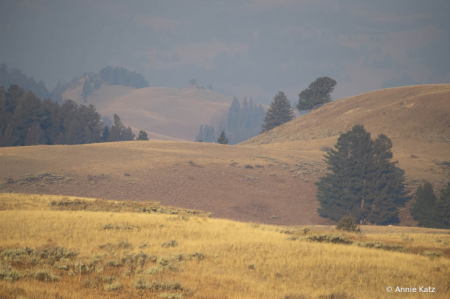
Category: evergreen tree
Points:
column 206, row 134
column 443, row 207
column 430, row 211
column 142, row 135
column 128, row 135
column 223, row 138
column 105, row 134
column 362, row 182
column 280, row 112
column 114, row 134
column 317, row 94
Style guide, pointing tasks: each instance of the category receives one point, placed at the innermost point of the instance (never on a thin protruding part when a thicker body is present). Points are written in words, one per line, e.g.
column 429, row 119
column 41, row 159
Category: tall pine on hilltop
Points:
column 280, row 112
column 362, row 182
column 317, row 94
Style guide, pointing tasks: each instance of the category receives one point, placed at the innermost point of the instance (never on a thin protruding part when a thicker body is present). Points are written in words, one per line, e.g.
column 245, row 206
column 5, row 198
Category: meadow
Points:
column 67, row 247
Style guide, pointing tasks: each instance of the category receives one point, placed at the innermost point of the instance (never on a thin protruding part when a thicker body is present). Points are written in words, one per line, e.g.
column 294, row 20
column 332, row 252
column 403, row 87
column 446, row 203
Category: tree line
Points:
column 27, row 120
column 109, row 75
column 243, row 122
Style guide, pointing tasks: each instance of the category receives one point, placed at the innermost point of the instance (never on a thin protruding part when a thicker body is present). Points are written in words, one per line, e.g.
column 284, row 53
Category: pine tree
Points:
column 362, row 182
column 280, row 112
column 223, row 138
column 430, row 211
column 317, row 94
column 142, row 135
column 443, row 207
column 105, row 134
column 128, row 135
column 114, row 134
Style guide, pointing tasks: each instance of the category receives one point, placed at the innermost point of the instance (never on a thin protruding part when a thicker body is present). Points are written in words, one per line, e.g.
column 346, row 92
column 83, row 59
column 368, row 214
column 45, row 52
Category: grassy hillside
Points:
column 418, row 113
column 269, row 179
column 271, row 186
column 60, row 247
column 416, row 118
column 167, row 113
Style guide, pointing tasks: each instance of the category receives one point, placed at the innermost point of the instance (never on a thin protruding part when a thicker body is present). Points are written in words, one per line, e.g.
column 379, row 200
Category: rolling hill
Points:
column 416, row 118
column 268, row 179
column 166, row 113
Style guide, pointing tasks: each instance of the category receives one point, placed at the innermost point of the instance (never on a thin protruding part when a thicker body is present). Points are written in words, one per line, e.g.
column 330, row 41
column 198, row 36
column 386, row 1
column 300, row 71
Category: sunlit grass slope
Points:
column 152, row 253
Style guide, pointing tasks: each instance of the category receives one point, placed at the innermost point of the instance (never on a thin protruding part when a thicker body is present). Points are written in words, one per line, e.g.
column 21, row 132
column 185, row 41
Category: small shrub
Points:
column 305, row 230
column 114, row 263
column 248, row 166
column 348, row 224
column 164, row 286
column 143, row 245
column 10, row 275
column 432, row 253
column 197, row 256
column 112, row 287
column 171, row 296
column 152, row 271
column 380, row 245
column 288, row 232
column 124, row 244
column 336, row 239
column 44, row 275
column 254, row 179
column 141, row 283
column 106, row 279
column 251, row 266
column 171, row 243
column 163, row 261
column 335, row 296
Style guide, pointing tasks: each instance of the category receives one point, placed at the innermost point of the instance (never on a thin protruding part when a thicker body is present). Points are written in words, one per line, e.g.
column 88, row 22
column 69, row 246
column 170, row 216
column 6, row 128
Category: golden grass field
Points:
column 219, row 258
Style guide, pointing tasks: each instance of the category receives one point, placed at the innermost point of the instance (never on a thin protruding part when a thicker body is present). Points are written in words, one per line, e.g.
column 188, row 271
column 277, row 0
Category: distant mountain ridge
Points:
column 90, row 81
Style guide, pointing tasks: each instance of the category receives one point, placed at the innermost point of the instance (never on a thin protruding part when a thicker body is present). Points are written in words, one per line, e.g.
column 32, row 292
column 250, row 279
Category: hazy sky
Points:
column 253, row 47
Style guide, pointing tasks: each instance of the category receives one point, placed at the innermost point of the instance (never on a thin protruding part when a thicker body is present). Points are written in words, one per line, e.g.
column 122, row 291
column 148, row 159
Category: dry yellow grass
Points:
column 281, row 267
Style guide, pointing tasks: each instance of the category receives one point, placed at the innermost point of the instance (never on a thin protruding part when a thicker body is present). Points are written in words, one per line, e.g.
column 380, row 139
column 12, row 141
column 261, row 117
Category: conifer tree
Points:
column 317, row 94
column 222, row 138
column 142, row 135
column 105, row 134
column 362, row 182
column 128, row 134
column 280, row 112
column 430, row 211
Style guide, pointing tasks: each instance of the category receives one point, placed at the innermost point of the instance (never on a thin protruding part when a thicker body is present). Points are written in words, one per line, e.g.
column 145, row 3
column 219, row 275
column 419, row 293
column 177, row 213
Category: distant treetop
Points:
column 122, row 76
